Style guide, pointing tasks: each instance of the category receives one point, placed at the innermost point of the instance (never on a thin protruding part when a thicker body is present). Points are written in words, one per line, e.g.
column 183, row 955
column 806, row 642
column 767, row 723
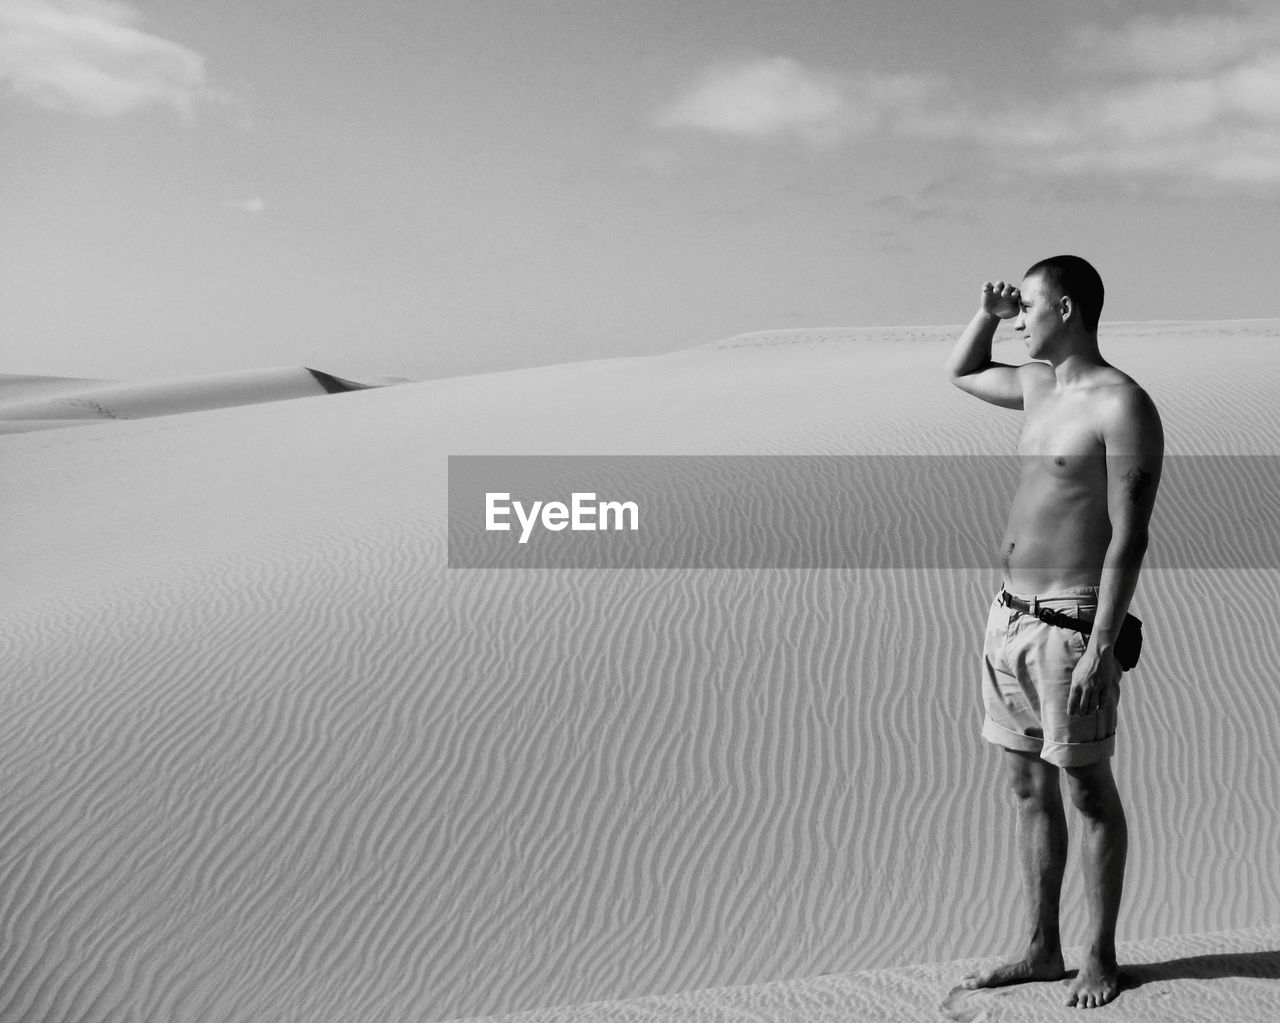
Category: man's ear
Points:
column 1066, row 308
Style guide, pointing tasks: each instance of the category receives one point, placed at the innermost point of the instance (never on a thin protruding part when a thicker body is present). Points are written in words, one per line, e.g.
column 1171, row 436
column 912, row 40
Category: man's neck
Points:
column 1079, row 364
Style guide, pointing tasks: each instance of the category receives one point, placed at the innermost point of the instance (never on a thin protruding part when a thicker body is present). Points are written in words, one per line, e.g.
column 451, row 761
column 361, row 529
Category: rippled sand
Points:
column 263, row 756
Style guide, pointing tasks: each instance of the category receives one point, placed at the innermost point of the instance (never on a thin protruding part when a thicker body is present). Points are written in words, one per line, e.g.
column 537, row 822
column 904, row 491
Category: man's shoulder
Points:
column 1126, row 412
column 1120, row 394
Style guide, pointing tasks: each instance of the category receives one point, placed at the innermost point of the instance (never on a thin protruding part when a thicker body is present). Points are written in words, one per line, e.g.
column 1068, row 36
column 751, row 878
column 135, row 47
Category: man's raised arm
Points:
column 970, row 367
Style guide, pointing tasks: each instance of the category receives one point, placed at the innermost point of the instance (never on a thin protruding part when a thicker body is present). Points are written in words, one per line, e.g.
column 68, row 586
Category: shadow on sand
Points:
column 1264, row 965
column 982, row 1005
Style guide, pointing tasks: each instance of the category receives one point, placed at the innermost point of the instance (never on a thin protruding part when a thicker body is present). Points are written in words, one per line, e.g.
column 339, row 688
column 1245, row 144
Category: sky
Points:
column 423, row 189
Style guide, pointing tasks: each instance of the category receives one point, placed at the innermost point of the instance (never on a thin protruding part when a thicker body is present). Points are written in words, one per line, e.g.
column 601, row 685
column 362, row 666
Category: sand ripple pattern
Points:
column 1201, row 978
column 262, row 757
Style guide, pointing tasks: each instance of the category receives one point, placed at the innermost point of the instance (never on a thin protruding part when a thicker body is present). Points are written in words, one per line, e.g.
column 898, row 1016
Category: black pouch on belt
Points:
column 1128, row 646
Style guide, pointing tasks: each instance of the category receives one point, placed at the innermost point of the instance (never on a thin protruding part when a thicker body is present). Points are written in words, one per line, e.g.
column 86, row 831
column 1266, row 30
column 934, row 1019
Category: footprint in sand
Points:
column 964, row 1006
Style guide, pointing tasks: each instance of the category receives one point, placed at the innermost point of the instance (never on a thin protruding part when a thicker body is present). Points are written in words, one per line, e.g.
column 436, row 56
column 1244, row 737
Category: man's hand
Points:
column 1093, row 683
column 1001, row 300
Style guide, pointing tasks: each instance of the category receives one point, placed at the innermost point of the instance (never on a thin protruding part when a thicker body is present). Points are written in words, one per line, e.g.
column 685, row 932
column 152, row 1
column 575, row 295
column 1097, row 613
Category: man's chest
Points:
column 1061, row 428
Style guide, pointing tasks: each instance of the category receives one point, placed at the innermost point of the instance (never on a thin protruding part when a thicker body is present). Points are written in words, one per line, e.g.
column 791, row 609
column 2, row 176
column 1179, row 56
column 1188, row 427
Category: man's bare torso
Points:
column 1059, row 525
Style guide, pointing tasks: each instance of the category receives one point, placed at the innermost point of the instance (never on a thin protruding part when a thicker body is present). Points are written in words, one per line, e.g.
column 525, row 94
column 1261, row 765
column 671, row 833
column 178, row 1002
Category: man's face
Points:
column 1040, row 319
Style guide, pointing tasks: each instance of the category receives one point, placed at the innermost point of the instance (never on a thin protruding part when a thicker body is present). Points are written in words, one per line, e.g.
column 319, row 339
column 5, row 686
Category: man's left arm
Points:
column 1134, row 440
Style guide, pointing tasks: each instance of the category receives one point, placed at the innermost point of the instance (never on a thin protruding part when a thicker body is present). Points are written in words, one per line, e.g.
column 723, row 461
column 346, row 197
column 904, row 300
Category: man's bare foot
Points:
column 1033, row 966
column 1097, row 983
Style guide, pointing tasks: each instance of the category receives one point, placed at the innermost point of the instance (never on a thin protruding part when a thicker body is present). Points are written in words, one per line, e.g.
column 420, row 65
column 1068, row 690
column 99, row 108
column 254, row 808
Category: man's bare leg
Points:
column 1042, row 853
column 1105, row 846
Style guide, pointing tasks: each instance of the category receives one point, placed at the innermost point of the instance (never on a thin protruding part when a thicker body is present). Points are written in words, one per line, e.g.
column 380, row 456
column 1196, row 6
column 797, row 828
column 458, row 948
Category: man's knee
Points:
column 1093, row 790
column 1032, row 780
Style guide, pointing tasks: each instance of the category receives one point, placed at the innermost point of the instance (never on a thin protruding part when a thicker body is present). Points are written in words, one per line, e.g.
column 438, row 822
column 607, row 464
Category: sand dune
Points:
column 43, row 402
column 1186, row 979
column 14, row 387
column 263, row 756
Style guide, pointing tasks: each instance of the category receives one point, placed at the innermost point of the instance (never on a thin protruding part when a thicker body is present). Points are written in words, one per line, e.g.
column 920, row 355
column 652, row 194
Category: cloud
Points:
column 1174, row 110
column 759, row 99
column 771, row 97
column 1180, row 99
column 90, row 57
column 1192, row 44
column 253, row 206
column 1221, row 127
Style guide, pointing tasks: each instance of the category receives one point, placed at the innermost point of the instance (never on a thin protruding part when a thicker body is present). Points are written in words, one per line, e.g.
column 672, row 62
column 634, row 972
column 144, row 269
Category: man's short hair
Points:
column 1073, row 276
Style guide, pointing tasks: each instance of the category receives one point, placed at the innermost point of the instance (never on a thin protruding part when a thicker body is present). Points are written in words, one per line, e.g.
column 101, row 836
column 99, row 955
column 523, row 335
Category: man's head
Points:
column 1074, row 280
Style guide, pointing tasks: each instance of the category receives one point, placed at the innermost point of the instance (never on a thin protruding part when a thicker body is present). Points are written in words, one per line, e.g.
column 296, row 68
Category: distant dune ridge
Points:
column 34, row 403
column 264, row 757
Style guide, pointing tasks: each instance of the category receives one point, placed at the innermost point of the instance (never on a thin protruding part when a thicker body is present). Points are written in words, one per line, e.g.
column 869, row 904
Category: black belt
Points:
column 1128, row 644
column 1045, row 614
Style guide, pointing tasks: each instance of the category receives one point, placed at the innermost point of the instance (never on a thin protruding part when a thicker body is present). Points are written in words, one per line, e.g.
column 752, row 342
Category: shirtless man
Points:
column 1091, row 449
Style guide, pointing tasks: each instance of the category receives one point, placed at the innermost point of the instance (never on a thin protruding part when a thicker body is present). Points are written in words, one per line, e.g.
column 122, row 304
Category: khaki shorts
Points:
column 1026, row 681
